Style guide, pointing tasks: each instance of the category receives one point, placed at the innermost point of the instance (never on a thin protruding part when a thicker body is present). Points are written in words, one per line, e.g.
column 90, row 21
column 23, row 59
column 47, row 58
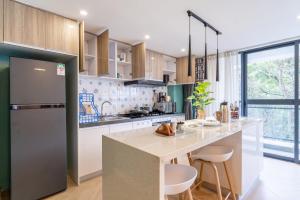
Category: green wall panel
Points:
column 176, row 93
column 4, row 123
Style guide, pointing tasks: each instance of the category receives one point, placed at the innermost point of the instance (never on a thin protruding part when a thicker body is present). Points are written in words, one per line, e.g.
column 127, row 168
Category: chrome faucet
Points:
column 101, row 114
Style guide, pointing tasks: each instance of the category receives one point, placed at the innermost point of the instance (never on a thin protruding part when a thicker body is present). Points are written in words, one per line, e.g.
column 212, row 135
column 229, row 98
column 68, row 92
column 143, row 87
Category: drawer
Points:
column 141, row 124
column 114, row 128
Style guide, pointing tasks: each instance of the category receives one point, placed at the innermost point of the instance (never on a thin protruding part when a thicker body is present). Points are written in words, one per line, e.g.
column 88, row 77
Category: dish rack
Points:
column 84, row 117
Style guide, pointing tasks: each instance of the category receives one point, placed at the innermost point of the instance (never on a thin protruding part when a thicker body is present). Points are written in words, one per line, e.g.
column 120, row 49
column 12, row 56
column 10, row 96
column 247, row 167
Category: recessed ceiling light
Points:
column 298, row 17
column 182, row 50
column 83, row 12
column 147, row 37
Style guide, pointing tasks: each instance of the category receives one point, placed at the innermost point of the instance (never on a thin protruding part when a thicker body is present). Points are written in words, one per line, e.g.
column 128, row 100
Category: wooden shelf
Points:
column 124, row 63
column 89, row 57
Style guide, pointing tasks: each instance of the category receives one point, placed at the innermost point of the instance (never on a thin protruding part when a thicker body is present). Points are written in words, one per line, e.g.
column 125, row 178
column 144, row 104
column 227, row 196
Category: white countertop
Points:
column 167, row 148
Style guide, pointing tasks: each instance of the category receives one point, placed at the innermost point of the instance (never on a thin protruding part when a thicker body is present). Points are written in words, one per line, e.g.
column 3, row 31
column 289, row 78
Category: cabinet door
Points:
column 81, row 48
column 159, row 67
column 114, row 128
column 148, row 65
column 24, row 24
column 141, row 124
column 90, row 149
column 102, row 53
column 71, row 36
column 182, row 70
column 155, row 65
column 1, row 20
column 62, row 34
column 139, row 61
column 54, row 32
column 179, row 77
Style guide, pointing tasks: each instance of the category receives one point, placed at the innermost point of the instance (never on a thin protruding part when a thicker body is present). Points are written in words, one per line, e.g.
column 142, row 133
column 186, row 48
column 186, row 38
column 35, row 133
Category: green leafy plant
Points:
column 200, row 97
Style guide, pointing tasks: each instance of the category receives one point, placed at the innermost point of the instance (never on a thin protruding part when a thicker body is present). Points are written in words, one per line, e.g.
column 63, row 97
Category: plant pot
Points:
column 201, row 114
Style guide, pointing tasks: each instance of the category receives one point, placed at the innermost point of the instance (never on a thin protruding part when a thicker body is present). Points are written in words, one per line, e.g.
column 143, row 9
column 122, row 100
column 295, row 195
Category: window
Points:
column 271, row 92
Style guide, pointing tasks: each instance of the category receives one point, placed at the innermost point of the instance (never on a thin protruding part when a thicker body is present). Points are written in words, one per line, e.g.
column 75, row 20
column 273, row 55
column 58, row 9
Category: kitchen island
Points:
column 133, row 161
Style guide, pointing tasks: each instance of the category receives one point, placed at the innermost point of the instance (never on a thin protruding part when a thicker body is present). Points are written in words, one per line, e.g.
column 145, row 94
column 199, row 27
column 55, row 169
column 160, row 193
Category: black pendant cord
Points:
column 190, row 50
column 206, row 24
column 205, row 56
column 217, row 64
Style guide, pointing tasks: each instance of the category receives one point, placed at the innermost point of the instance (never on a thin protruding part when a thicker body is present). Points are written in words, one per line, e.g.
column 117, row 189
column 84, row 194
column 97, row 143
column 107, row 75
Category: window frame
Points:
column 295, row 101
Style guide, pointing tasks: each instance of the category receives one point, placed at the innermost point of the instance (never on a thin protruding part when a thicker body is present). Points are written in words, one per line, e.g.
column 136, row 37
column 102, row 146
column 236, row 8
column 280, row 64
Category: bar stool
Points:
column 178, row 179
column 211, row 155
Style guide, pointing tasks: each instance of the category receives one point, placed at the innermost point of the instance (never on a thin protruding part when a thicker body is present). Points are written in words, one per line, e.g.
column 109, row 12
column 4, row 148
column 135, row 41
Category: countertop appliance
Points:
column 165, row 107
column 38, row 128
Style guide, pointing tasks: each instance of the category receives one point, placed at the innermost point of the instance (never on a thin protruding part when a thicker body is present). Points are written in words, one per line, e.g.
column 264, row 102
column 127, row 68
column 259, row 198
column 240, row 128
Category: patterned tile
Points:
column 123, row 98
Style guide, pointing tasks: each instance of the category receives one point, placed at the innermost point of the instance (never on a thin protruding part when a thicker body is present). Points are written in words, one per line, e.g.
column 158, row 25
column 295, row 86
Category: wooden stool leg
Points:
column 229, row 181
column 189, row 194
column 189, row 155
column 217, row 181
column 181, row 196
column 200, row 176
column 201, row 173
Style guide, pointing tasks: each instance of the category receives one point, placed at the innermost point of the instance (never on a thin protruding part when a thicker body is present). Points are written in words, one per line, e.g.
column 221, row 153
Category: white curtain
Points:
column 229, row 86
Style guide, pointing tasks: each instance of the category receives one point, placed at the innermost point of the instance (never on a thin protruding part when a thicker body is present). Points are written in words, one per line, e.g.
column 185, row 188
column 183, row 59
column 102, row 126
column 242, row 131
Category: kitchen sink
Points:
column 113, row 118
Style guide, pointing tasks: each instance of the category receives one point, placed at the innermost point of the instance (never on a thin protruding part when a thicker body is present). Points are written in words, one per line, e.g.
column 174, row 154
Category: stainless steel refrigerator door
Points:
column 36, row 82
column 38, row 153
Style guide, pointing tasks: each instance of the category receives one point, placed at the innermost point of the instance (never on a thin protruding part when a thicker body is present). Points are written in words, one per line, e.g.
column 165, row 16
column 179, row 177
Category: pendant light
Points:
column 190, row 50
column 205, row 56
column 217, row 64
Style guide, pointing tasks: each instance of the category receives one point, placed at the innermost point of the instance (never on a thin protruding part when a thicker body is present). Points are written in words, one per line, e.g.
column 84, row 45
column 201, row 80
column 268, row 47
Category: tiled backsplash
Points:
column 123, row 98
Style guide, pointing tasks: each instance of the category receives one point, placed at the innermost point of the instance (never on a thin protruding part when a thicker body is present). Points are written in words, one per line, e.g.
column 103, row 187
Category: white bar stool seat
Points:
column 178, row 179
column 214, row 154
column 211, row 155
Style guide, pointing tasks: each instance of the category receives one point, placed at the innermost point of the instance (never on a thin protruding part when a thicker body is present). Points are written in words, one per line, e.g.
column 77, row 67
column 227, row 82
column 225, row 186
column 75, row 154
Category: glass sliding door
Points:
column 271, row 92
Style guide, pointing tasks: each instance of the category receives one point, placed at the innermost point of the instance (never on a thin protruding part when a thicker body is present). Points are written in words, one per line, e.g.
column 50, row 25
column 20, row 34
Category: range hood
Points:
column 148, row 83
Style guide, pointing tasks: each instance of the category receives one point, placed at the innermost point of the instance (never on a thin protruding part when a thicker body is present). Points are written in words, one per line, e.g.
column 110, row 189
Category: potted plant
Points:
column 200, row 98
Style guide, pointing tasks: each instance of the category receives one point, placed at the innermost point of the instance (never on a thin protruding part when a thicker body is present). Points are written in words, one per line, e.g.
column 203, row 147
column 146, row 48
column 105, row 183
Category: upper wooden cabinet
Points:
column 146, row 64
column 62, row 34
column 24, row 24
column 81, row 48
column 182, row 70
column 156, row 64
column 1, row 20
column 102, row 53
column 139, row 61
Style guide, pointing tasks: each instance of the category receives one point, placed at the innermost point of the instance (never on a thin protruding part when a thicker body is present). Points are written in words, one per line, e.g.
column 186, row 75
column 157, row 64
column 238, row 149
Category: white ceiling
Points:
column 243, row 23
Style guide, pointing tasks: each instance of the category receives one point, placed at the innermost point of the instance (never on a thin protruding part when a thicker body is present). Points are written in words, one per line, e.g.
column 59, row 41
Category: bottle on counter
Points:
column 225, row 112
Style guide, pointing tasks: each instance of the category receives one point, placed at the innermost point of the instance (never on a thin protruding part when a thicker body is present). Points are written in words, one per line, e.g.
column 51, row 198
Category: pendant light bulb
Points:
column 190, row 51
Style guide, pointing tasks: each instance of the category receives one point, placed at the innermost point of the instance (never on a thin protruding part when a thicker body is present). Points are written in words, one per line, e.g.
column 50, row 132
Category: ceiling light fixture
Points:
column 298, row 17
column 182, row 50
column 147, row 37
column 83, row 13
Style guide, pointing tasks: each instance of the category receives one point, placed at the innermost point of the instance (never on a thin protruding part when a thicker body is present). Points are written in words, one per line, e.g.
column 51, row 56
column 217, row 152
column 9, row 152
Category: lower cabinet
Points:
column 90, row 150
column 120, row 127
column 141, row 124
column 90, row 144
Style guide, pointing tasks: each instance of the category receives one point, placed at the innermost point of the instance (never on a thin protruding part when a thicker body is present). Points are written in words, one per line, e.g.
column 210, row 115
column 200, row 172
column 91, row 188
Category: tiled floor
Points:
column 279, row 181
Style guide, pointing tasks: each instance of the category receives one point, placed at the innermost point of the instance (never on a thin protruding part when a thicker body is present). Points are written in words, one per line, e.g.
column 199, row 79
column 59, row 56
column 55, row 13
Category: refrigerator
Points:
column 38, row 128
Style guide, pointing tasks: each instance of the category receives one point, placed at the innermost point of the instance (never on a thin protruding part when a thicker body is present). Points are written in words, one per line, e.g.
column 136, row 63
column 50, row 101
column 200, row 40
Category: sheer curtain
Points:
column 229, row 86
